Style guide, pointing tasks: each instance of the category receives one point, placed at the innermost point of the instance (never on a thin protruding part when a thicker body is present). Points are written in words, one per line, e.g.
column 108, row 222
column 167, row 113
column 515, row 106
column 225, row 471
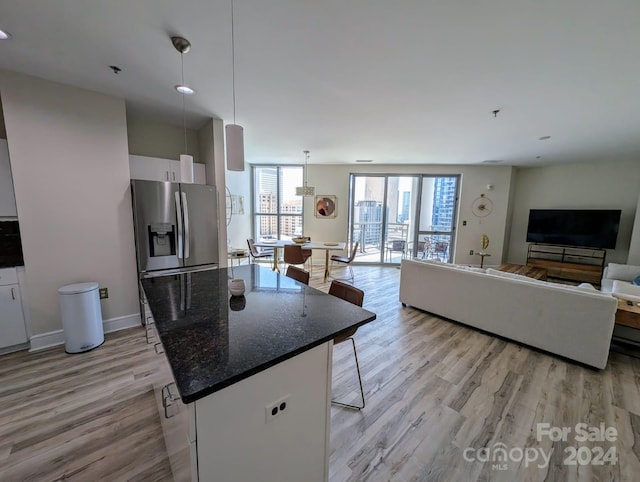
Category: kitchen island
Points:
column 253, row 373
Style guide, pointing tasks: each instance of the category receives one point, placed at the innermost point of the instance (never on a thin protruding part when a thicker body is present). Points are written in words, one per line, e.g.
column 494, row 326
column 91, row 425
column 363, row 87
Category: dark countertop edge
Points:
column 11, row 265
column 257, row 369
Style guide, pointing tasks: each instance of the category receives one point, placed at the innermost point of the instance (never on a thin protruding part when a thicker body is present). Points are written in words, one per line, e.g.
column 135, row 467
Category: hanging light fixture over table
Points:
column 234, row 132
column 305, row 190
column 183, row 46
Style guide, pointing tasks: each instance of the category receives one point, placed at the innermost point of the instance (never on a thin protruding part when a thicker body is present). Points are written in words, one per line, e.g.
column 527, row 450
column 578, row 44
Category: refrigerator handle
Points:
column 179, row 223
column 187, row 241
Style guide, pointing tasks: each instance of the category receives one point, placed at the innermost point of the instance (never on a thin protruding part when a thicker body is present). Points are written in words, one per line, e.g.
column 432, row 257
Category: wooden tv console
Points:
column 573, row 264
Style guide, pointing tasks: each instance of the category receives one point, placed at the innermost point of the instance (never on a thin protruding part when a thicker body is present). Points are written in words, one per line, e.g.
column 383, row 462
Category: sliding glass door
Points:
column 399, row 216
column 382, row 214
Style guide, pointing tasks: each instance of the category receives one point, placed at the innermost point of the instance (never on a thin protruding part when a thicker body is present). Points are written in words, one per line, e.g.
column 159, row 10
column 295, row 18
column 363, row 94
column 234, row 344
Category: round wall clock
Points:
column 482, row 206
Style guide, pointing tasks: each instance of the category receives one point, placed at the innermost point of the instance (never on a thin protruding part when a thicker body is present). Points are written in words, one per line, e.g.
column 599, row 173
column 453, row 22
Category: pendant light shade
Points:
column 186, row 168
column 305, row 190
column 183, row 46
column 234, row 132
column 235, row 147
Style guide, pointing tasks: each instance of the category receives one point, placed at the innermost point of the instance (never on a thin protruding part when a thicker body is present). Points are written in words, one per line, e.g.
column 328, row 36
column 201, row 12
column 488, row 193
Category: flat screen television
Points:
column 585, row 228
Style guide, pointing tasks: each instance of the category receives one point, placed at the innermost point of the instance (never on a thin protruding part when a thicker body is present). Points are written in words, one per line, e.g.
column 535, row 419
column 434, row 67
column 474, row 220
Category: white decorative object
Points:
column 186, row 168
column 236, row 287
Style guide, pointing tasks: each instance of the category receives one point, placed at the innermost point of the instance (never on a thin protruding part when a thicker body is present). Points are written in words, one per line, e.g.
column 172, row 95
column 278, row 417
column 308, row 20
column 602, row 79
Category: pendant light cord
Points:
column 233, row 64
column 184, row 117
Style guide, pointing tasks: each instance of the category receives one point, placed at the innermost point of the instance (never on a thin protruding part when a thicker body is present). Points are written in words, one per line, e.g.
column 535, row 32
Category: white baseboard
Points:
column 122, row 323
column 55, row 338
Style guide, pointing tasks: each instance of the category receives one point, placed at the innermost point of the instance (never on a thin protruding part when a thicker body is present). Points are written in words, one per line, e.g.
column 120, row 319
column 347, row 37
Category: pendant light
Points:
column 183, row 46
column 234, row 132
column 305, row 190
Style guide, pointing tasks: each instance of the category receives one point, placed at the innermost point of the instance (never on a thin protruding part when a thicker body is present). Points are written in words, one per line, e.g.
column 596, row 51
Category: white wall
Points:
column 3, row 131
column 211, row 139
column 634, row 248
column 70, row 167
column 151, row 138
column 239, row 184
column 334, row 179
column 604, row 185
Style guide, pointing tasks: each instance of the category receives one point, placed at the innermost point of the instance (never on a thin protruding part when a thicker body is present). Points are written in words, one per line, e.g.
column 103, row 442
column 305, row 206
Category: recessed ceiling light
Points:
column 491, row 161
column 185, row 89
column 4, row 35
column 364, row 160
column 544, row 138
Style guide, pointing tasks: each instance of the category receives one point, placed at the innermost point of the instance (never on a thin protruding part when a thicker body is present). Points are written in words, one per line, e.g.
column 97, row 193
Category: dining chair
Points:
column 346, row 260
column 293, row 254
column 440, row 248
column 256, row 254
column 298, row 274
column 396, row 245
column 356, row 296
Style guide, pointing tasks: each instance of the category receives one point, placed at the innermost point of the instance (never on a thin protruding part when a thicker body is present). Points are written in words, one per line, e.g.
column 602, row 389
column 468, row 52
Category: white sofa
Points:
column 568, row 321
column 620, row 272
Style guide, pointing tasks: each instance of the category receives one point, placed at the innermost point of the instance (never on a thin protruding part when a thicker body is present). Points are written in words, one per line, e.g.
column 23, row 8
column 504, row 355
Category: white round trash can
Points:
column 81, row 317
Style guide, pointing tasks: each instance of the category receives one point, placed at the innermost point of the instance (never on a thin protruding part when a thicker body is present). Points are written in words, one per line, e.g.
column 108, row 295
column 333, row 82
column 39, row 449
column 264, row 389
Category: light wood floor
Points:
column 434, row 388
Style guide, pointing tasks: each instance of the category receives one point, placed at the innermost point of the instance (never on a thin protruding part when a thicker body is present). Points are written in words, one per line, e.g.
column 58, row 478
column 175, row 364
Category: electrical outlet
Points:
column 104, row 293
column 275, row 409
column 464, row 223
column 471, row 251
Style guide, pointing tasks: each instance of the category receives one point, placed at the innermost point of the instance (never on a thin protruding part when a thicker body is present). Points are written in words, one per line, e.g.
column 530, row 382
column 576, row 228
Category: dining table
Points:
column 326, row 246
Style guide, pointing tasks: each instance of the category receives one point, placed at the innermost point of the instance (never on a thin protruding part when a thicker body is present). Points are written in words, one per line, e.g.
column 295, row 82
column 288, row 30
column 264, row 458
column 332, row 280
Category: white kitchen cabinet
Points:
column 7, row 197
column 158, row 169
column 12, row 327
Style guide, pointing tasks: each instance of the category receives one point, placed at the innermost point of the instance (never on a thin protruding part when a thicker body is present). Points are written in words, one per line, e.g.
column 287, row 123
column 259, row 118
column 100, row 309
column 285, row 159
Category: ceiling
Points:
column 411, row 82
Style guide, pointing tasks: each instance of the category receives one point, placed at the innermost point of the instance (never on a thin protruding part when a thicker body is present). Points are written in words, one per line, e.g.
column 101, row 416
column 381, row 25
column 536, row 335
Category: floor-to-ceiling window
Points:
column 277, row 211
column 435, row 236
column 399, row 216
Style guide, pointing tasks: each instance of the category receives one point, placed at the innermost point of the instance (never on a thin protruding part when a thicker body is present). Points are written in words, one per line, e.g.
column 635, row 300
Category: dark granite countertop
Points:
column 213, row 340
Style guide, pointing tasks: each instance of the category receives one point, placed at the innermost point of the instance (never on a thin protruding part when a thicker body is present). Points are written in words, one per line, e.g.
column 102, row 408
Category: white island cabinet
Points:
column 232, row 435
column 238, row 438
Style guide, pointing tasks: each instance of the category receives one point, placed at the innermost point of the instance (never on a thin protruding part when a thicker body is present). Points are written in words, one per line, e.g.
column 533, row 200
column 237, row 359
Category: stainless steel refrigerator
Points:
column 176, row 227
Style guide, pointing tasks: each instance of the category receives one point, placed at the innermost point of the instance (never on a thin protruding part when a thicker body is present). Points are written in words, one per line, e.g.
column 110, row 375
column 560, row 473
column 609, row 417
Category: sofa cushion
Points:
column 626, row 291
column 624, row 272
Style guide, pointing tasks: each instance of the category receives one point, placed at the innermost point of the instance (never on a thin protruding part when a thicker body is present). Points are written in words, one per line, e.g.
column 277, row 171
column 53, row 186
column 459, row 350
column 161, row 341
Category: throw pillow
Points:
column 636, row 281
